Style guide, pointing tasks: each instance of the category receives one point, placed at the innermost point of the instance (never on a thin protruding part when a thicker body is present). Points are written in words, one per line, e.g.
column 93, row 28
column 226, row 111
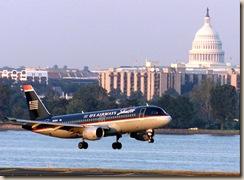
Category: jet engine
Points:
column 141, row 136
column 93, row 133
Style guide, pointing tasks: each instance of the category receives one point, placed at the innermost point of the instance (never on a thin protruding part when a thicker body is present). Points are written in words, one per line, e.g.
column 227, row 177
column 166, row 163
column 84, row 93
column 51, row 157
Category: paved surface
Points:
column 106, row 172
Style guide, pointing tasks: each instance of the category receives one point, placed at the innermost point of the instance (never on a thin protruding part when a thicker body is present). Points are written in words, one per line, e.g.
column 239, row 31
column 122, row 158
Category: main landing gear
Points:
column 117, row 144
column 83, row 145
column 150, row 134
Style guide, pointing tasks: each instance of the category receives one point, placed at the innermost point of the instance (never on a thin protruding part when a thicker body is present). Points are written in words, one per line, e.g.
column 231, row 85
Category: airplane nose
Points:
column 168, row 119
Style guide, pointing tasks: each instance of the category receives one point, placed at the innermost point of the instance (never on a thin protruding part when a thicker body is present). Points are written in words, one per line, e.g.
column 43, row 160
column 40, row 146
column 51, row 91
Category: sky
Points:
column 111, row 33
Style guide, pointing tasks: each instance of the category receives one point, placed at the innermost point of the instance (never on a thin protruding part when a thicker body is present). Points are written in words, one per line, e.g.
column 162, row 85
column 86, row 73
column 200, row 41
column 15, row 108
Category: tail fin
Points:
column 37, row 110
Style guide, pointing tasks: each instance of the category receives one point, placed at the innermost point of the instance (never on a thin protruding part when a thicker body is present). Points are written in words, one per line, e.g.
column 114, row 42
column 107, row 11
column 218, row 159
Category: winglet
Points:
column 5, row 119
column 8, row 120
column 27, row 88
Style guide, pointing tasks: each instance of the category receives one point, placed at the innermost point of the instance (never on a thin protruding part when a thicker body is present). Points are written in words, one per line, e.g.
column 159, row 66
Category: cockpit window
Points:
column 153, row 111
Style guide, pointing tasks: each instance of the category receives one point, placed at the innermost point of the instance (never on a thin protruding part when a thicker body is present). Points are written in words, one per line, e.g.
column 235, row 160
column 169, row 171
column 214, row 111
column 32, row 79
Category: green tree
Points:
column 200, row 96
column 122, row 100
column 66, row 86
column 119, row 98
column 171, row 92
column 18, row 104
column 183, row 114
column 180, row 108
column 223, row 101
column 89, row 98
column 136, row 99
column 12, row 100
column 54, row 103
column 5, row 93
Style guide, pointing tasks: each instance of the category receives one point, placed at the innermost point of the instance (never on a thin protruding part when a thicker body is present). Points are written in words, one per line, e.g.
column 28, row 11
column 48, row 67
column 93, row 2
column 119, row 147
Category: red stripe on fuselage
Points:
column 109, row 120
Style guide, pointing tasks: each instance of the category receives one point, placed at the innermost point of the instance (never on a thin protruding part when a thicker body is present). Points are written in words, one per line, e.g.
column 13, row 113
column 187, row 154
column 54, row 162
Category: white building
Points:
column 27, row 74
column 206, row 61
column 206, row 47
column 207, row 57
column 150, row 79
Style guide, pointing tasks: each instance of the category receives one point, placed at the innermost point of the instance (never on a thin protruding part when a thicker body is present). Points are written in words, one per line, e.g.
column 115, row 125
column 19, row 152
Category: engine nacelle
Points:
column 93, row 133
column 141, row 136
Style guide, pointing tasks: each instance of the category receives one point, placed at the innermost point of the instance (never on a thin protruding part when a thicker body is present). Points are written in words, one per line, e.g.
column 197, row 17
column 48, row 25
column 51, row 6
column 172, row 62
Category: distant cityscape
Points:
column 206, row 61
column 43, row 75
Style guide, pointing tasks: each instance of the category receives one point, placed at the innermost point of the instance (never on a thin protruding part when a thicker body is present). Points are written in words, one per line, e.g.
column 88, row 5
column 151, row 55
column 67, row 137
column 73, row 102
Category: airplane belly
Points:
column 131, row 126
column 138, row 124
column 57, row 133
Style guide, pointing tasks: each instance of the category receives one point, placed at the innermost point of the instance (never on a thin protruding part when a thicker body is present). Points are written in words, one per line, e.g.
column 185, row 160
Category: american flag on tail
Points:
column 33, row 104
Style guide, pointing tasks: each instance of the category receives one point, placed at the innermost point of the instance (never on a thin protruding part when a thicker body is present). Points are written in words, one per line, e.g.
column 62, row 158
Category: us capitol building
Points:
column 206, row 47
column 206, row 61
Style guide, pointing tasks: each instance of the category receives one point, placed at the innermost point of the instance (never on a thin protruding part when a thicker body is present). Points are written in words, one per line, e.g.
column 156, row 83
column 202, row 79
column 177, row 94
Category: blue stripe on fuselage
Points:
column 99, row 116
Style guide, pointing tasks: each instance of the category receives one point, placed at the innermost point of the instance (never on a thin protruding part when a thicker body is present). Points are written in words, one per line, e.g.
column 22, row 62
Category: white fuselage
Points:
column 117, row 126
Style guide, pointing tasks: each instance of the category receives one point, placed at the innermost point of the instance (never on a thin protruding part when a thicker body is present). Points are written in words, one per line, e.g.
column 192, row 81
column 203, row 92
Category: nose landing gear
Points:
column 151, row 140
column 117, row 145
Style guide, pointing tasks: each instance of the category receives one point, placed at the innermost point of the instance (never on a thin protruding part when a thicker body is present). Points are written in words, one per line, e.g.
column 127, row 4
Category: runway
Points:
column 107, row 172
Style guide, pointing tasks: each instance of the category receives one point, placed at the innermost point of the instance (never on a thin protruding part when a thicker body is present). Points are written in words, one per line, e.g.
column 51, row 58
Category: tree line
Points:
column 207, row 106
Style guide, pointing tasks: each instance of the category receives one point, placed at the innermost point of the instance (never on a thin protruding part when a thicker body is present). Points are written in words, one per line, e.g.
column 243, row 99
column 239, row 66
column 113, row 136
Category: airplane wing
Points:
column 36, row 123
column 31, row 122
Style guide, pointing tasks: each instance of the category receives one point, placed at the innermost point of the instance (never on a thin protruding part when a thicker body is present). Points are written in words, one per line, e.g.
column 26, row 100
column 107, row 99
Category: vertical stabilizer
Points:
column 37, row 110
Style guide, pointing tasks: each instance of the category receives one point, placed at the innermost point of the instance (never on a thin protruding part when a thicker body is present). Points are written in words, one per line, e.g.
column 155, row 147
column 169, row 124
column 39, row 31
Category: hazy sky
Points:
column 105, row 33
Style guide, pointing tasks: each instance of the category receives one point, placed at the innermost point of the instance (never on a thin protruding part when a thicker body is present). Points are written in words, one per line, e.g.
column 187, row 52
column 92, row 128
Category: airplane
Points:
column 139, row 122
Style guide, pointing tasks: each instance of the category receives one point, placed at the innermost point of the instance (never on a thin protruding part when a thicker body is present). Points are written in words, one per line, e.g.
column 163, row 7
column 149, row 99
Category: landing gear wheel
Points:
column 83, row 145
column 114, row 145
column 80, row 145
column 151, row 140
column 117, row 144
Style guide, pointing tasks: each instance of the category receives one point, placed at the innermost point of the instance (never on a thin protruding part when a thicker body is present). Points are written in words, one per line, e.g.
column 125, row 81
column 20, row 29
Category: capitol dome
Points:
column 206, row 47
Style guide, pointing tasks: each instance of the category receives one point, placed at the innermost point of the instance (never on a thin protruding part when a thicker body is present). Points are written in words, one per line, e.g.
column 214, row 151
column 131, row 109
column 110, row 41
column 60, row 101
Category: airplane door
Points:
column 142, row 112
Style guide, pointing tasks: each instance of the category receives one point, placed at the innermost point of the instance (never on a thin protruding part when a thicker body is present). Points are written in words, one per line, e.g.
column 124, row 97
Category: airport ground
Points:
column 8, row 172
